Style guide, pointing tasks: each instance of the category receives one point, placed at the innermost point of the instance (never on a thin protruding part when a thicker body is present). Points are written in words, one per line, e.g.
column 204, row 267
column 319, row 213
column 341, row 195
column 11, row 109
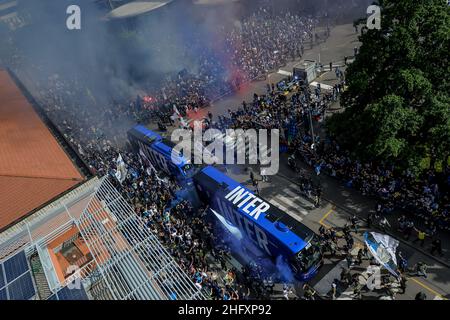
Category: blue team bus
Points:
column 158, row 151
column 272, row 230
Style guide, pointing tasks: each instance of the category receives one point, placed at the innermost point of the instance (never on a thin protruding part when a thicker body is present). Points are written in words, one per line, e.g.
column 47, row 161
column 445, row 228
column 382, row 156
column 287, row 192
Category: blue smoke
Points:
column 278, row 269
column 232, row 229
column 284, row 270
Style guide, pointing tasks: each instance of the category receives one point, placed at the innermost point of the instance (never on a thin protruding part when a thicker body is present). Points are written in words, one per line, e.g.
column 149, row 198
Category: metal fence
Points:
column 131, row 260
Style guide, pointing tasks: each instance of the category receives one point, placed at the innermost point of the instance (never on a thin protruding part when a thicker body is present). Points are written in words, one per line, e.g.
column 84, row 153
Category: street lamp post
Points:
column 310, row 116
column 312, row 128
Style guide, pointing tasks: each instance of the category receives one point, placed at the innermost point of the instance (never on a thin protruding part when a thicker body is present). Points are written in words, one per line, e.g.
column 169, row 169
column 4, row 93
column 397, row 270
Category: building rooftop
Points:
column 34, row 168
column 89, row 239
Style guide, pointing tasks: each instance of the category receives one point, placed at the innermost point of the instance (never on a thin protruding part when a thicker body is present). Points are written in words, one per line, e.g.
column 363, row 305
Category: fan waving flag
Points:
column 383, row 248
column 121, row 172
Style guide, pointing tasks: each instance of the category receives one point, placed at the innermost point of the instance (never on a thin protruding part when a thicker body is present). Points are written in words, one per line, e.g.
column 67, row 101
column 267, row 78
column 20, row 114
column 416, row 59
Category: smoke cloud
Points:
column 119, row 59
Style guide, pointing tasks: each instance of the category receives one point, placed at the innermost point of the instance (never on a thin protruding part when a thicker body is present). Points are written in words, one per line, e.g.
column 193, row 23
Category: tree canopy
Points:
column 397, row 103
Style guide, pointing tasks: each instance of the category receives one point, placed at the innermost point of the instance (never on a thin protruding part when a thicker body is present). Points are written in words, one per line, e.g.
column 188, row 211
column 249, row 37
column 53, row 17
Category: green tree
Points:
column 397, row 102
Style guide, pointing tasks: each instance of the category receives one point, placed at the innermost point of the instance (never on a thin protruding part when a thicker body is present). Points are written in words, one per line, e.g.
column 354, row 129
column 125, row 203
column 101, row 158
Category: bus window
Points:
column 309, row 257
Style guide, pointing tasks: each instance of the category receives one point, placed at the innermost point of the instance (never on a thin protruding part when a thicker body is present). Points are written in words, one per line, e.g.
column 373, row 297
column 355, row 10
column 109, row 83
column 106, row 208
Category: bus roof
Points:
column 297, row 235
column 145, row 134
column 164, row 146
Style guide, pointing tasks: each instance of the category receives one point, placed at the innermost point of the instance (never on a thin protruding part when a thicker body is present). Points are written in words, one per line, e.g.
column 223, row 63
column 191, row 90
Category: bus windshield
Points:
column 310, row 256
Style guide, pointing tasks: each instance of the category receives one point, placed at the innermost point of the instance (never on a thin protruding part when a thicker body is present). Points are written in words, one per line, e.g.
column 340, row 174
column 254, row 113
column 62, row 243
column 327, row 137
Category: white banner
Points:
column 121, row 172
column 389, row 243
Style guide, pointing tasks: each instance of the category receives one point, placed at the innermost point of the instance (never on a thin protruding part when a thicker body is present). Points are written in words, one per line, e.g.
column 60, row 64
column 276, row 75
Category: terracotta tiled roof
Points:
column 33, row 167
column 19, row 196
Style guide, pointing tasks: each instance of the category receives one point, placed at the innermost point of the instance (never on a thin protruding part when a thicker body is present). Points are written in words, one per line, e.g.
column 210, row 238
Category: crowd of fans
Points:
column 426, row 196
column 97, row 131
column 264, row 42
column 274, row 110
column 260, row 43
column 180, row 227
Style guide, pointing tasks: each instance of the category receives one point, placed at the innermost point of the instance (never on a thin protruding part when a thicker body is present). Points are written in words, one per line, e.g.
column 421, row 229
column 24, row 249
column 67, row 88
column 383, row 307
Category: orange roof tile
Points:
column 33, row 167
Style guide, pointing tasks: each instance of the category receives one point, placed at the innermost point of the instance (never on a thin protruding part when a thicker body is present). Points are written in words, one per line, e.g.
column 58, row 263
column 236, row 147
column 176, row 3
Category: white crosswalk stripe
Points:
column 291, row 204
column 290, row 193
column 347, row 295
column 277, row 204
column 438, row 298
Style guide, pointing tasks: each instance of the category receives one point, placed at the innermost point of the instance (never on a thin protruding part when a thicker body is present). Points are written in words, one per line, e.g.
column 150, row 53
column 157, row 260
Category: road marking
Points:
column 324, row 217
column 279, row 205
column 297, row 196
column 291, row 204
column 290, row 193
column 323, row 74
column 347, row 295
column 428, row 288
